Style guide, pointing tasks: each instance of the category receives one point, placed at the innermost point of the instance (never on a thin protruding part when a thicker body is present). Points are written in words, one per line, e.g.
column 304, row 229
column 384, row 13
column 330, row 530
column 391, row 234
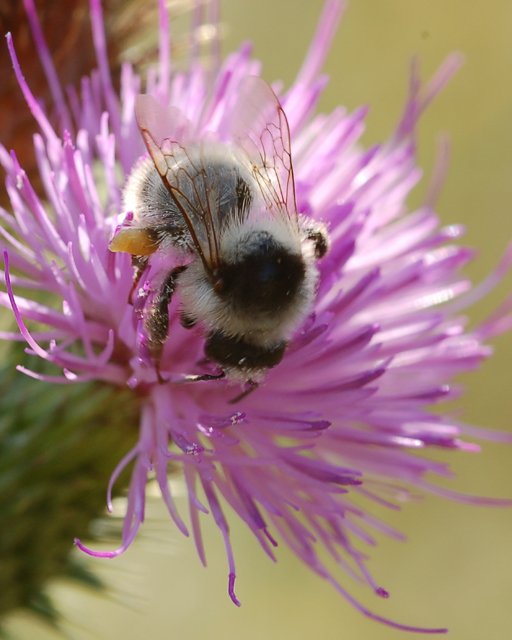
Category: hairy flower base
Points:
column 53, row 457
column 344, row 416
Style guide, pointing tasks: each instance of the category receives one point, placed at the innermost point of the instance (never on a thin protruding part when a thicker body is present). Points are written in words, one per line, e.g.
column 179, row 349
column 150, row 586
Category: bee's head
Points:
column 261, row 289
column 263, row 277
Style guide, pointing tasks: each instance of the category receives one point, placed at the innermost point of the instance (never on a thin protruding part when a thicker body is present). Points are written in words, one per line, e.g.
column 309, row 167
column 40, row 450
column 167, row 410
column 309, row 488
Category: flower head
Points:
column 342, row 416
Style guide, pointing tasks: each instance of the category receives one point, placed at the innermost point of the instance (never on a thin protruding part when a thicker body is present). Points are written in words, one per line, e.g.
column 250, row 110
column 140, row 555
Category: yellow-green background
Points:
column 456, row 568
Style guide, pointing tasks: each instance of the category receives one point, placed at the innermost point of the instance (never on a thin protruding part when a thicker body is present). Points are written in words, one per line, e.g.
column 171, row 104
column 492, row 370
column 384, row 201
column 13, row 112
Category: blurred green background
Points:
column 456, row 568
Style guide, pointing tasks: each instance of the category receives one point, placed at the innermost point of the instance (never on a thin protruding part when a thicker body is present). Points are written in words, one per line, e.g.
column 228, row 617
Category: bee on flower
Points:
column 257, row 279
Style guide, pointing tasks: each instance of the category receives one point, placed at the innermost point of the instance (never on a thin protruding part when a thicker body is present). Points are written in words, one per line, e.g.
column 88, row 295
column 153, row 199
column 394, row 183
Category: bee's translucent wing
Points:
column 259, row 126
column 168, row 134
column 163, row 129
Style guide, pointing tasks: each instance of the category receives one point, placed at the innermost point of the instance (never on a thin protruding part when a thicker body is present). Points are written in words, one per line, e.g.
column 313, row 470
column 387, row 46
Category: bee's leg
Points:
column 140, row 263
column 157, row 318
column 252, row 386
column 206, row 376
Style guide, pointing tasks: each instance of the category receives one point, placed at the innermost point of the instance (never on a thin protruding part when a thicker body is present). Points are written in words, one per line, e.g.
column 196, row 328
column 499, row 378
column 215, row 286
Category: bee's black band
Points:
column 235, row 352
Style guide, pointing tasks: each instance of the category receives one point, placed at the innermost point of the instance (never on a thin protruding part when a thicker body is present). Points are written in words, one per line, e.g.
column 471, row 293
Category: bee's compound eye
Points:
column 218, row 285
column 321, row 245
column 318, row 235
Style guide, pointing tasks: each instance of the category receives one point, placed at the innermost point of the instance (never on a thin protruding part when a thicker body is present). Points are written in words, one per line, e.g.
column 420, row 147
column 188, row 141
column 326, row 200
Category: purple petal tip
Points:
column 231, row 590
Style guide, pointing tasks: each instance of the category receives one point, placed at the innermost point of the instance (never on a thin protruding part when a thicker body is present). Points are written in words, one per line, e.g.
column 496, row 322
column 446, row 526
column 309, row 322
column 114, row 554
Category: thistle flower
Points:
column 344, row 414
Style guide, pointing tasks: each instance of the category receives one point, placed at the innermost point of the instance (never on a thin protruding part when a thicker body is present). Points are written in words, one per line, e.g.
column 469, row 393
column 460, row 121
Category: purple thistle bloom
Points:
column 343, row 415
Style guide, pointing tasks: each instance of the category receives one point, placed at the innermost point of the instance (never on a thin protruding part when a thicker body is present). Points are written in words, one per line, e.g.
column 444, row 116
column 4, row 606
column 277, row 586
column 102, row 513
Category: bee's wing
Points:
column 259, row 127
column 167, row 133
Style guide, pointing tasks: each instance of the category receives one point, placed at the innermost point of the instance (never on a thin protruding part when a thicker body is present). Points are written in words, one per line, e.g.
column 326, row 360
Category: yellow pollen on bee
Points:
column 138, row 242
